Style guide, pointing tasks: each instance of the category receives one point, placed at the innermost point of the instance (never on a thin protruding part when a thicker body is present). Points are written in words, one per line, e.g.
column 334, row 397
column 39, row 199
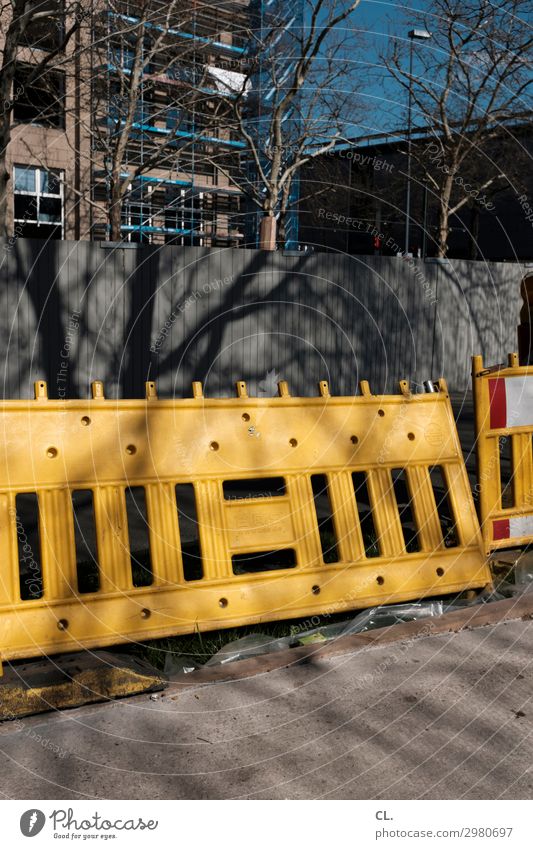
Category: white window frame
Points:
column 127, row 219
column 38, row 195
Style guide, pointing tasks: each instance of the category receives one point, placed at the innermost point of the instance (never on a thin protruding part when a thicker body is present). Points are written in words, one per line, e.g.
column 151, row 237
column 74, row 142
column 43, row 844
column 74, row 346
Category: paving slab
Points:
column 435, row 717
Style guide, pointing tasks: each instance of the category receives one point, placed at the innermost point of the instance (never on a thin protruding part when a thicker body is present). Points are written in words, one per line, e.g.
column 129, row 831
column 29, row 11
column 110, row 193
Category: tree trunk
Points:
column 281, row 230
column 4, row 192
column 115, row 212
column 7, row 74
column 267, row 233
column 474, row 232
column 444, row 214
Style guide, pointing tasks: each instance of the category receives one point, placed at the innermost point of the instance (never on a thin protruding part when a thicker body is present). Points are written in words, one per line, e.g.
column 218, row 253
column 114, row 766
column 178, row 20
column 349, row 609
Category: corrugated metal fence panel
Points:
column 72, row 312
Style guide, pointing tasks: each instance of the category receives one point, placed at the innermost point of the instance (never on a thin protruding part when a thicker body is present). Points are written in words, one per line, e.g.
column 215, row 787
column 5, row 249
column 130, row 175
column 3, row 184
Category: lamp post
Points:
column 419, row 35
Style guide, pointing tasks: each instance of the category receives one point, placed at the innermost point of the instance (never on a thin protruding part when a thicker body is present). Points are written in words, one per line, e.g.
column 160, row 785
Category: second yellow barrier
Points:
column 128, row 520
column 503, row 406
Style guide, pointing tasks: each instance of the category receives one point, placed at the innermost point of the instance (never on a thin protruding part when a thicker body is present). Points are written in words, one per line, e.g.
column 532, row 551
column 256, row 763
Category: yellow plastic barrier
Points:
column 303, row 506
column 503, row 406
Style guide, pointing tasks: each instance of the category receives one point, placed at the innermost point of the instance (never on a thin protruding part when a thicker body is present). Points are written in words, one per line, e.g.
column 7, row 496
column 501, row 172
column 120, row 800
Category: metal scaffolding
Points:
column 184, row 198
column 189, row 197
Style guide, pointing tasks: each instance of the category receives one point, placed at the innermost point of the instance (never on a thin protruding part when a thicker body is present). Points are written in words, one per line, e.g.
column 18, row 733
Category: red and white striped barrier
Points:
column 511, row 401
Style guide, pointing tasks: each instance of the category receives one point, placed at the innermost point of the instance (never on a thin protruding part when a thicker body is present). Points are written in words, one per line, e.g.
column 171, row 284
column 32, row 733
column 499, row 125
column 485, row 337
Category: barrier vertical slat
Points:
column 492, row 459
column 345, row 516
column 385, row 510
column 9, row 574
column 466, row 522
column 304, row 521
column 424, row 508
column 165, row 547
column 58, row 551
column 522, row 470
column 487, row 451
column 112, row 539
column 212, row 527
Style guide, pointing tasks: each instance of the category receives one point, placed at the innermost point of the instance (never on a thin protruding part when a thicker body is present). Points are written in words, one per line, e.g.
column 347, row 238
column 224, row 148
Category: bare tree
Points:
column 156, row 101
column 471, row 80
column 34, row 36
column 291, row 103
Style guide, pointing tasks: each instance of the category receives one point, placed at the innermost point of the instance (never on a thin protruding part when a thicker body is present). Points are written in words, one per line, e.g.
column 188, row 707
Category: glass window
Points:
column 50, row 182
column 46, row 27
column 136, row 218
column 50, row 209
column 41, row 100
column 38, row 202
column 24, row 179
column 25, row 207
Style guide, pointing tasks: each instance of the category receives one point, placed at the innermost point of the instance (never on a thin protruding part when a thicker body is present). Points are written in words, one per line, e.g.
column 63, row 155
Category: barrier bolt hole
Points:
column 85, row 420
column 315, row 589
column 354, row 440
column 381, row 413
column 380, row 580
column 222, row 602
column 62, row 624
column 51, row 452
column 245, row 417
column 145, row 613
column 214, row 446
column 293, row 442
column 410, row 436
column 131, row 449
column 440, row 571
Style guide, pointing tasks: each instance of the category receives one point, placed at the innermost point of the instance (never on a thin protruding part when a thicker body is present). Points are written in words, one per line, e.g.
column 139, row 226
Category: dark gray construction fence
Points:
column 73, row 312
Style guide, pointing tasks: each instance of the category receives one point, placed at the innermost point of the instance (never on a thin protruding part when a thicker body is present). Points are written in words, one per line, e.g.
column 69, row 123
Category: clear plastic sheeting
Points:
column 376, row 617
column 177, row 665
column 382, row 616
column 508, row 590
column 251, row 646
column 523, row 574
column 513, row 572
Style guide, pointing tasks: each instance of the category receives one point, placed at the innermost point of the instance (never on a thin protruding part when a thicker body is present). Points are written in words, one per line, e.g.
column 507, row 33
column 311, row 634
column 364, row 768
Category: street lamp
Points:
column 418, row 35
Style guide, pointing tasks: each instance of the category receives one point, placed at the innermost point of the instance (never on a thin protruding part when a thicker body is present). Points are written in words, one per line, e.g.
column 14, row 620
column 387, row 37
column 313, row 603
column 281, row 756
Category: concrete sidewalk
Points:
column 443, row 716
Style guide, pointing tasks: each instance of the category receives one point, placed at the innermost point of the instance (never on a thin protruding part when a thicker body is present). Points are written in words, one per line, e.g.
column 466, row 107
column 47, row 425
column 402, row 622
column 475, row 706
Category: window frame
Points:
column 137, row 220
column 38, row 194
column 21, row 88
column 55, row 20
